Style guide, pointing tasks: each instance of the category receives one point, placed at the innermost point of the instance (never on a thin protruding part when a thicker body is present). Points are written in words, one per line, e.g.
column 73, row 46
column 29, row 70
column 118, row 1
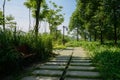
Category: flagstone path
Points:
column 70, row 64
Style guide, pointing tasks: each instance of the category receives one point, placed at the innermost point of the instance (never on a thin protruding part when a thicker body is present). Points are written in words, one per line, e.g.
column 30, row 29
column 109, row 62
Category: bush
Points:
column 73, row 44
column 19, row 49
column 10, row 60
column 56, row 46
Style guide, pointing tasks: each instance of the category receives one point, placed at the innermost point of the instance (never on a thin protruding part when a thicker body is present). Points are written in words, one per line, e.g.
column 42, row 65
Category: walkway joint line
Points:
column 65, row 70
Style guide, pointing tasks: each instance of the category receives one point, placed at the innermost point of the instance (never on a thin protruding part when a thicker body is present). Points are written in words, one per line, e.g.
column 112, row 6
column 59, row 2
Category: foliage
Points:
column 23, row 49
column 52, row 16
column 35, row 6
column 97, row 19
column 56, row 46
column 73, row 43
column 8, row 53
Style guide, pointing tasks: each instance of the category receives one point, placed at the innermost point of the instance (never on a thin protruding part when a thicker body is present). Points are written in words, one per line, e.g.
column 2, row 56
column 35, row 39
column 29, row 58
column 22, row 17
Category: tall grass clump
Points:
column 73, row 43
column 9, row 56
column 18, row 49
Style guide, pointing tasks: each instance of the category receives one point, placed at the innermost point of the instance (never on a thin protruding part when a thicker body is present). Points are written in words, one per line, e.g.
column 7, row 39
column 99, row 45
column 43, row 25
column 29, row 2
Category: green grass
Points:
column 73, row 44
column 57, row 46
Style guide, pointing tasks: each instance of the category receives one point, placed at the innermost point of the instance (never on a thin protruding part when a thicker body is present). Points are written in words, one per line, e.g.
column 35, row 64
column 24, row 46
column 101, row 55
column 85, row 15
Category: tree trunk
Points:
column 15, row 38
column 101, row 33
column 77, row 34
column 101, row 37
column 115, row 33
column 29, row 19
column 4, row 15
column 115, row 26
column 90, row 37
column 85, row 36
column 95, row 35
column 63, row 35
column 51, row 30
column 38, row 2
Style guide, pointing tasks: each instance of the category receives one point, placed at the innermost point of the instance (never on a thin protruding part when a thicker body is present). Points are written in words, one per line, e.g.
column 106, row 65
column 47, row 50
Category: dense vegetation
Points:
column 98, row 21
column 18, row 49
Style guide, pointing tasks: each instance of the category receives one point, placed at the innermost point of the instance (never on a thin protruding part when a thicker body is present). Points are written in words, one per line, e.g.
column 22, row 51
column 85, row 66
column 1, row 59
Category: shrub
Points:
column 18, row 49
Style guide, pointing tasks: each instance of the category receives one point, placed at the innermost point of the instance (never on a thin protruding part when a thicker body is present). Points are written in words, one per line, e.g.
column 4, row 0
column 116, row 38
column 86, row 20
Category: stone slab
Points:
column 81, row 60
column 81, row 68
column 82, row 74
column 79, row 79
column 79, row 64
column 57, row 60
column 47, row 72
column 52, row 63
column 63, row 57
column 52, row 67
column 56, row 63
column 39, row 78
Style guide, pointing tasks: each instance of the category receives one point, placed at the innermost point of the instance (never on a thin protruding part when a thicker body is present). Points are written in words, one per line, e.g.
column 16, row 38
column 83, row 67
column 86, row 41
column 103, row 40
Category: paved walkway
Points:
column 71, row 64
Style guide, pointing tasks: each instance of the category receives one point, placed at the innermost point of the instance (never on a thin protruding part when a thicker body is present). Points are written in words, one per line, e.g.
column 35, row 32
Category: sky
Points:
column 20, row 12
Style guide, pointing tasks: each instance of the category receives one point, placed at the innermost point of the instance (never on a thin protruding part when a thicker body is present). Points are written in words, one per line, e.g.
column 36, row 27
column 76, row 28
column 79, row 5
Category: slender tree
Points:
column 28, row 5
column 37, row 12
column 41, row 12
column 4, row 15
column 1, row 17
column 4, row 3
column 113, row 10
column 35, row 5
column 54, row 17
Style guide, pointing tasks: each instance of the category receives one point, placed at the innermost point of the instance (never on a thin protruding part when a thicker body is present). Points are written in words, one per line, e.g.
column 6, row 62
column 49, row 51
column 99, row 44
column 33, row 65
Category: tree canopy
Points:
column 97, row 19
